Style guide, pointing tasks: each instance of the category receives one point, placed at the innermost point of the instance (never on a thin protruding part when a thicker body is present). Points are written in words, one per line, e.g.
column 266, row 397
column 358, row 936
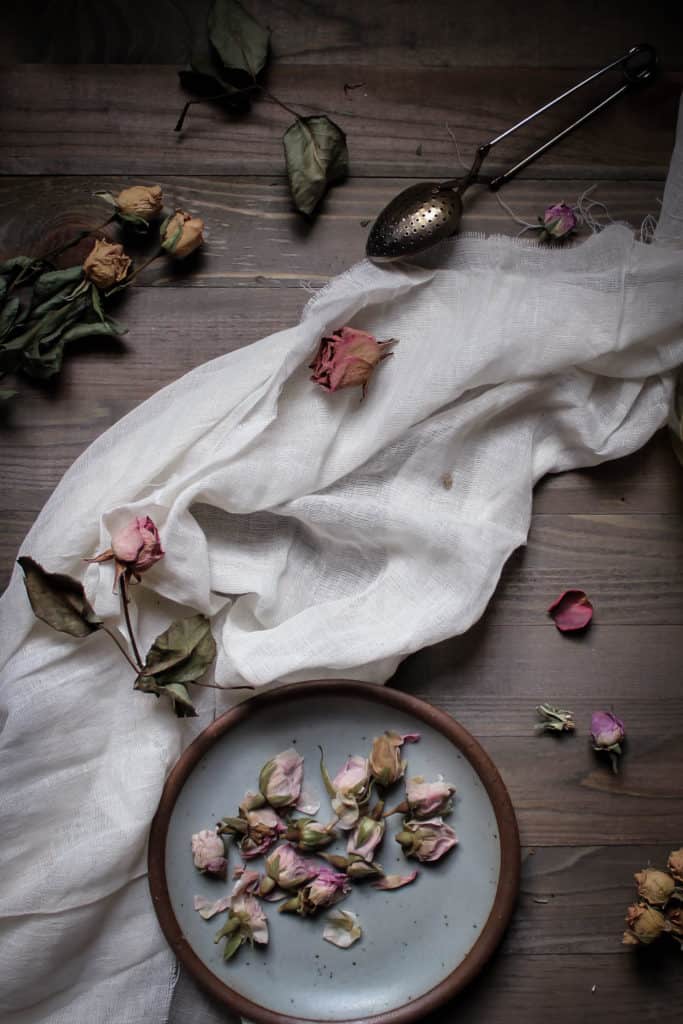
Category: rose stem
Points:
column 124, row 603
column 138, row 270
column 79, row 238
column 120, row 646
column 207, row 99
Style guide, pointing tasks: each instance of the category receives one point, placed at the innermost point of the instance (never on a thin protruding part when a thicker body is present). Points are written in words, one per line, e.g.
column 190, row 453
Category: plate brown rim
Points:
column 508, row 880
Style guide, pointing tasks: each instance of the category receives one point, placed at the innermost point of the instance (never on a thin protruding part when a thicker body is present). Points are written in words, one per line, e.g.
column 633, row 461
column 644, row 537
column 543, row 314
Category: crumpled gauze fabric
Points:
column 316, row 532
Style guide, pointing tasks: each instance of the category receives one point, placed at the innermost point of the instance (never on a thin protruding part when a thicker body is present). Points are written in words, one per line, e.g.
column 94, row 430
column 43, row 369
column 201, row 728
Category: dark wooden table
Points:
column 90, row 97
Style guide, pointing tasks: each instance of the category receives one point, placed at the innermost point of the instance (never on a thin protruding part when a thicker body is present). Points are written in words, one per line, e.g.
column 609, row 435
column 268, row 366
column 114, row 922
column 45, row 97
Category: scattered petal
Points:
column 571, row 611
column 308, row 802
column 209, row 908
column 342, row 928
column 411, row 737
column 395, row 881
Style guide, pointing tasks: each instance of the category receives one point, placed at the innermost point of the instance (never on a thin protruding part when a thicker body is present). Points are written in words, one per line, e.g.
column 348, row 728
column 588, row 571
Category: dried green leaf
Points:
column 180, row 698
column 107, row 328
column 54, row 281
column 6, row 394
column 240, row 41
column 18, row 263
column 316, row 156
column 58, row 600
column 8, row 316
column 182, row 653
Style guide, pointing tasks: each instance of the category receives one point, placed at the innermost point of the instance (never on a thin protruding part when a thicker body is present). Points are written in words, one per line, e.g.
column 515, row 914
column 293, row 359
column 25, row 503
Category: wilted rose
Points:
column 365, row 838
column 426, row 840
column 280, row 778
column 289, row 869
column 385, row 759
column 654, row 886
column 645, row 924
column 324, row 891
column 143, row 201
column 181, row 234
column 106, row 264
column 426, row 799
column 675, row 864
column 557, row 223
column 208, row 853
column 347, row 358
column 135, row 548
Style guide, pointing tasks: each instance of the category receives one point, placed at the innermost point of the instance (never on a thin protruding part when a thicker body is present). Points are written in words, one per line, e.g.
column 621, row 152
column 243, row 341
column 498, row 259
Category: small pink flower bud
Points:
column 289, row 869
column 427, row 841
column 557, row 223
column 281, row 778
column 426, row 799
column 208, row 853
column 607, row 734
column 365, row 838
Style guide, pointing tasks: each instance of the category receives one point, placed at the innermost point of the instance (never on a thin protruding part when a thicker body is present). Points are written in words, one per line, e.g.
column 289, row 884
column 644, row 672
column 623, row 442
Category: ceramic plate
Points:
column 421, row 944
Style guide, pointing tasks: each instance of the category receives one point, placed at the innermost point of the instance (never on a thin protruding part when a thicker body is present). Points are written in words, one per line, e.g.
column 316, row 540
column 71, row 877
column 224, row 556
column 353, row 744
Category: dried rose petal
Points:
column 394, row 881
column 571, row 611
column 209, row 908
column 342, row 928
column 308, row 802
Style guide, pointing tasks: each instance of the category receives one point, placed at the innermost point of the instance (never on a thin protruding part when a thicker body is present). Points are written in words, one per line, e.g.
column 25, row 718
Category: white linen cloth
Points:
column 318, row 534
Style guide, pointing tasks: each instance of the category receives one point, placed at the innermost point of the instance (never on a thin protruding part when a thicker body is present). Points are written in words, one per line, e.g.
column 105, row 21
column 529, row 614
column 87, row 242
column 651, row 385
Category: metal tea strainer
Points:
column 424, row 214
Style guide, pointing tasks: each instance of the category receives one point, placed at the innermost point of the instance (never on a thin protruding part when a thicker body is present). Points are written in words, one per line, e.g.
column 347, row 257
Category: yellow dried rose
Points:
column 181, row 234
column 145, row 201
column 106, row 264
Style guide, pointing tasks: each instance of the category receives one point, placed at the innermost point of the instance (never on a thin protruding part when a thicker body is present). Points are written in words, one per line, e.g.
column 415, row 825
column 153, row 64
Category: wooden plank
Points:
column 255, row 238
column 96, row 119
column 488, row 34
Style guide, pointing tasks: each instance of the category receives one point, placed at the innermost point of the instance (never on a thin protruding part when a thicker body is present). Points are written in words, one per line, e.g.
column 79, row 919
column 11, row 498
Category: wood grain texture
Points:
column 394, row 32
column 96, row 119
column 255, row 239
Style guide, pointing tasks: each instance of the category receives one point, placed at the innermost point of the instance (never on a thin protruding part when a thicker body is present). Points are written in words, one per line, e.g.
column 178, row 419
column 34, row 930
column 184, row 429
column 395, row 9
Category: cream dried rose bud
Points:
column 135, row 548
column 426, row 799
column 675, row 864
column 654, row 886
column 208, row 853
column 645, row 924
column 351, row 788
column 427, row 841
column 106, row 264
column 280, row 779
column 181, row 234
column 324, row 891
column 365, row 838
column 385, row 759
column 142, row 202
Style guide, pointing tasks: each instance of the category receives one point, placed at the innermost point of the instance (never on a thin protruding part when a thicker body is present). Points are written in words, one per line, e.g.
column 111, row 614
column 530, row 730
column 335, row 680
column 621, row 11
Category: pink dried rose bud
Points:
column 135, row 548
column 309, row 835
column 557, row 223
column 347, row 358
column 254, row 831
column 427, row 841
column 324, row 891
column 365, row 838
column 288, row 869
column 654, row 886
column 181, row 234
column 246, row 923
column 426, row 799
column 607, row 734
column 281, row 778
column 385, row 759
column 645, row 924
column 572, row 611
column 675, row 864
column 208, row 853
column 106, row 264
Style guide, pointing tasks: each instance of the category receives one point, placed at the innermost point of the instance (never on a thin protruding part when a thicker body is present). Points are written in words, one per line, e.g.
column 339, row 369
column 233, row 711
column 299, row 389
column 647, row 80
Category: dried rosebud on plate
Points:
column 427, row 841
column 288, row 869
column 106, row 264
column 386, row 765
column 349, row 789
column 309, row 835
column 654, row 886
column 427, row 799
column 208, row 853
column 280, row 779
column 572, row 611
column 347, row 358
column 324, row 891
column 645, row 924
column 246, row 923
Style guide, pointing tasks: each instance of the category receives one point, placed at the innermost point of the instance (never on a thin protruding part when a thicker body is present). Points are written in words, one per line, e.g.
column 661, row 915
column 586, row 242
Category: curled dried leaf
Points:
column 58, row 600
column 316, row 157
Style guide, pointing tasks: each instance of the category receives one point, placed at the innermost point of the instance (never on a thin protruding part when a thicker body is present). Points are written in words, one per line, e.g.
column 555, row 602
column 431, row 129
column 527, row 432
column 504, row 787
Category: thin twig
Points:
column 120, row 646
column 79, row 238
column 274, row 99
column 124, row 603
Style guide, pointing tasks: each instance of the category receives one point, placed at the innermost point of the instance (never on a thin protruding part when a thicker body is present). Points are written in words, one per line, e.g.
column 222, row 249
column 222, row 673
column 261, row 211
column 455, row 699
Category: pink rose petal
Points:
column 394, row 881
column 571, row 611
column 209, row 908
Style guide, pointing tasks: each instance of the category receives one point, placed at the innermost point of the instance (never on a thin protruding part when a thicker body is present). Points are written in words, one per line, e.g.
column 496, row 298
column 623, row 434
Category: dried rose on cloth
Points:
column 347, row 358
column 135, row 548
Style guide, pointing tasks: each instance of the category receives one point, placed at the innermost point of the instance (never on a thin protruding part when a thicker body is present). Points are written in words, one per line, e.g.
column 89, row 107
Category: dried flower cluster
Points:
column 659, row 910
column 42, row 308
column 276, row 823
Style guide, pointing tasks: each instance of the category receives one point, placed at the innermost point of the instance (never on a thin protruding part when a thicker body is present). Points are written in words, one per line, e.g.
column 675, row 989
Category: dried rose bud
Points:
column 557, row 223
column 358, row 869
column 365, row 838
column 309, row 835
column 288, row 869
column 385, row 759
column 246, row 923
column 554, row 719
column 324, row 891
column 607, row 734
column 342, row 928
column 426, row 840
column 140, row 201
column 645, row 924
column 135, row 548
column 181, row 234
column 654, row 886
column 675, row 864
column 347, row 359
column 257, row 831
column 426, row 799
column 349, row 789
column 281, row 777
column 106, row 264
column 674, row 922
column 208, row 853
column 572, row 611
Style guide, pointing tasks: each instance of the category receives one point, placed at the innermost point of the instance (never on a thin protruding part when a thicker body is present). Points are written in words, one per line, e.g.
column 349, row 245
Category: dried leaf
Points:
column 571, row 611
column 58, row 600
column 240, row 41
column 316, row 156
column 182, row 653
column 19, row 263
